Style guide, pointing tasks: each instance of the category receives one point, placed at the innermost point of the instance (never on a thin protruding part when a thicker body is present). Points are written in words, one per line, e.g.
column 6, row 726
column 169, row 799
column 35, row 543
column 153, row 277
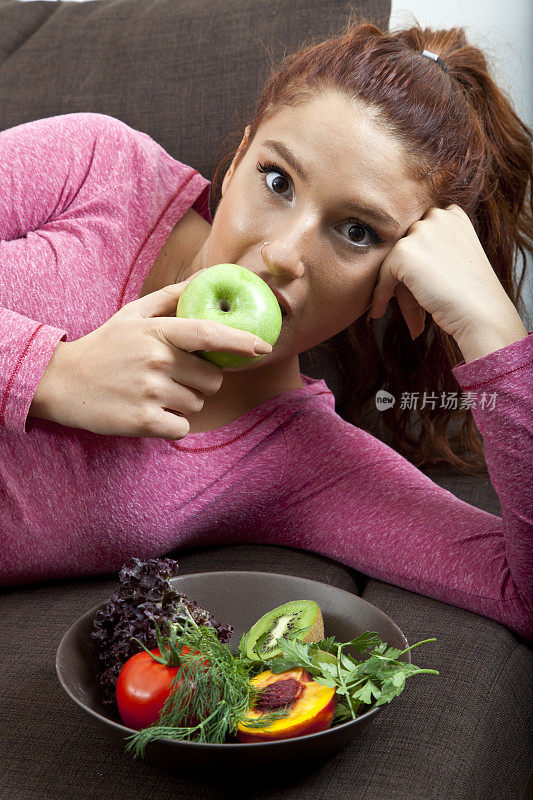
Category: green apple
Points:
column 236, row 297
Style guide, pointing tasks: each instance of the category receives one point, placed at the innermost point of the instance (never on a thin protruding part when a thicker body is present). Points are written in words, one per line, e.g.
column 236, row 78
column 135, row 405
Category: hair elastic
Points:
column 436, row 59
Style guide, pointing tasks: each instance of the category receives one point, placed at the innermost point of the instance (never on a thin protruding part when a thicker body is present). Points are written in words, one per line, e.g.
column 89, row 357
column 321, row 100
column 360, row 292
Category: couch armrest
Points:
column 469, row 730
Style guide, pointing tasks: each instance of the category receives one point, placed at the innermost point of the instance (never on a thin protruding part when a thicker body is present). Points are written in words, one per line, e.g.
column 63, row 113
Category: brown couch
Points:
column 187, row 72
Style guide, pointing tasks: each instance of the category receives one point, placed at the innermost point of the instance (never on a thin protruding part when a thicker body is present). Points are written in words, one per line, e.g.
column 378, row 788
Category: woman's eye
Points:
column 274, row 178
column 359, row 233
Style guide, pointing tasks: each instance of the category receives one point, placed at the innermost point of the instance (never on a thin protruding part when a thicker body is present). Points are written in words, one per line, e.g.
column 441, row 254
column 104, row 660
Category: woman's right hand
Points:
column 137, row 374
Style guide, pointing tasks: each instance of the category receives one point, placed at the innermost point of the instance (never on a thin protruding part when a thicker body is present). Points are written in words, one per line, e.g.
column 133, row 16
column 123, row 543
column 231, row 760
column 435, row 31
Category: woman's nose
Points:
column 282, row 259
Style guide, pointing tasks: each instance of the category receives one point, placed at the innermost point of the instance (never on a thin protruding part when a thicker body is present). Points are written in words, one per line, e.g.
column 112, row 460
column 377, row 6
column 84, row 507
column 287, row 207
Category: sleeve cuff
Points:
column 484, row 370
column 24, row 375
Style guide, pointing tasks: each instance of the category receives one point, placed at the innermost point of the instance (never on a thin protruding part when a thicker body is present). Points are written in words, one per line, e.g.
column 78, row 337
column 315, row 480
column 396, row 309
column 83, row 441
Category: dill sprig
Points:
column 214, row 694
column 267, row 718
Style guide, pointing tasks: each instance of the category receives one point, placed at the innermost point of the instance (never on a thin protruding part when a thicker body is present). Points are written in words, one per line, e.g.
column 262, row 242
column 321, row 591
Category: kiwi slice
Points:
column 302, row 618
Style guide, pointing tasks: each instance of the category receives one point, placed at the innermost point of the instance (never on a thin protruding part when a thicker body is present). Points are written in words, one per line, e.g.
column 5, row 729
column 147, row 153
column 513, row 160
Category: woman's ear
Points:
column 231, row 170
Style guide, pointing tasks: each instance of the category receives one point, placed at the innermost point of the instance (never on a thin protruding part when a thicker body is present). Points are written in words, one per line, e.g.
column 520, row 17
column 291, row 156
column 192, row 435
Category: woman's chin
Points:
column 259, row 362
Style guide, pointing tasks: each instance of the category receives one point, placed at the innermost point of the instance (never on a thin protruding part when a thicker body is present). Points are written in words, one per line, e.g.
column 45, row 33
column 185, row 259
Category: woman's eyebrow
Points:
column 370, row 211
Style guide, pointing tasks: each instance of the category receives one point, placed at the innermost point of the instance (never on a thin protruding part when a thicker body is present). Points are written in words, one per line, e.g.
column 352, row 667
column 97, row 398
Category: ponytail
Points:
column 502, row 212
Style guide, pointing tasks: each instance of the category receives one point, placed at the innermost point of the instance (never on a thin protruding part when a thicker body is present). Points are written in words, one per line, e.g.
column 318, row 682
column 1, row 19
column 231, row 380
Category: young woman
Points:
column 373, row 171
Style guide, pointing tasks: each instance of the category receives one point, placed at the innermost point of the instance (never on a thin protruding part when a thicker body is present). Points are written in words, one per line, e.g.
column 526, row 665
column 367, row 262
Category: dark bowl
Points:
column 240, row 599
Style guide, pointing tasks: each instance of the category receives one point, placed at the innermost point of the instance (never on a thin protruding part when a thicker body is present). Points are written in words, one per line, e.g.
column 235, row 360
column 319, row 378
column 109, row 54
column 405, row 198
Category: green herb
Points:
column 223, row 693
column 376, row 680
column 221, row 696
column 265, row 719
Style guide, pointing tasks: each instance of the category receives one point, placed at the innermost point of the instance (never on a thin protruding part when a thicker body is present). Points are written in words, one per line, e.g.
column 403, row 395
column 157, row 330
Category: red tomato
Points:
column 143, row 686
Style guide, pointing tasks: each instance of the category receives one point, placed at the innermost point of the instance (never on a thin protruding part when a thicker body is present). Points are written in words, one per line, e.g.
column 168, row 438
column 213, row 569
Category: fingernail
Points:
column 262, row 347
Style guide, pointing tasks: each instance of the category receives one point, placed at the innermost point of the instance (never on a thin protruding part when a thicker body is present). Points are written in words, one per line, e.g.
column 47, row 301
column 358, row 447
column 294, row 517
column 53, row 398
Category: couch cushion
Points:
column 464, row 733
column 269, row 558
column 53, row 750
column 187, row 73
column 477, row 490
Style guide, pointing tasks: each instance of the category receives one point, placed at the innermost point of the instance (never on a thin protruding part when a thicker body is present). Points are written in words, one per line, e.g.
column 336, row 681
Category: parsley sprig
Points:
column 375, row 680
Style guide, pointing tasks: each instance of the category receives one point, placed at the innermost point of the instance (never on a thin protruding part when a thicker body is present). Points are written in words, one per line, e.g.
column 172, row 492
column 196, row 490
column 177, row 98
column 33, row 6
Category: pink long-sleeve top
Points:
column 86, row 203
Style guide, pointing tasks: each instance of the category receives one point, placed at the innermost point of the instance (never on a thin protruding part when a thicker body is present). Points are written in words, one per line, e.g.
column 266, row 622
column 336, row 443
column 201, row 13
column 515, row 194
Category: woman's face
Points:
column 331, row 197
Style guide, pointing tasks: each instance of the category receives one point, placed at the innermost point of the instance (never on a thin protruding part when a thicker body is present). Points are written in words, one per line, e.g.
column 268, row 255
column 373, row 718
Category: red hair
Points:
column 460, row 131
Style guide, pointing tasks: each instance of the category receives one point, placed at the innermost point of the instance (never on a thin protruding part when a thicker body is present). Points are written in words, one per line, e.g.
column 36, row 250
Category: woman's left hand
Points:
column 440, row 267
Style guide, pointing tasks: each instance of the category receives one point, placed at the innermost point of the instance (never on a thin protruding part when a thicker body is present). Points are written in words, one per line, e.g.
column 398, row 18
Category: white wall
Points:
column 504, row 30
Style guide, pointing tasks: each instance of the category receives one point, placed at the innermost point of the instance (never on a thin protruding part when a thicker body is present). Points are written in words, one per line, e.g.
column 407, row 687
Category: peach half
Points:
column 312, row 706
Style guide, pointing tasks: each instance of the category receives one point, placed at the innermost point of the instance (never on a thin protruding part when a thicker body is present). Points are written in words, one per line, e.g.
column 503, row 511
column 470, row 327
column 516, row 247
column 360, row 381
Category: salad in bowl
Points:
column 166, row 665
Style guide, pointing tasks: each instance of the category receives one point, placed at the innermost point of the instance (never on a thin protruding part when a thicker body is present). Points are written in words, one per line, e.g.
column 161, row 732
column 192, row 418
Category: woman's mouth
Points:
column 281, row 301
